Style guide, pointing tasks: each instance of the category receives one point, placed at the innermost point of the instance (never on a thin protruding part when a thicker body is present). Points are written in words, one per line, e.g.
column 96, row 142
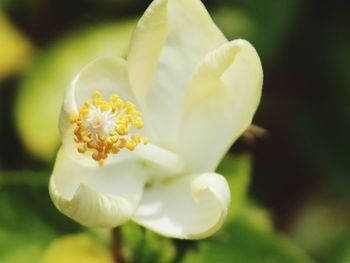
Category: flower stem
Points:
column 117, row 252
column 182, row 247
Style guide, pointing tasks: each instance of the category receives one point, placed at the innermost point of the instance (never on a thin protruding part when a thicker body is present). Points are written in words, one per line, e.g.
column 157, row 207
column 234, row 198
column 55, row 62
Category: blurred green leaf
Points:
column 339, row 252
column 15, row 50
column 75, row 249
column 264, row 23
column 41, row 91
column 141, row 245
column 234, row 22
column 21, row 231
column 245, row 240
column 236, row 169
column 322, row 228
column 23, row 178
column 25, row 253
column 256, row 215
column 28, row 221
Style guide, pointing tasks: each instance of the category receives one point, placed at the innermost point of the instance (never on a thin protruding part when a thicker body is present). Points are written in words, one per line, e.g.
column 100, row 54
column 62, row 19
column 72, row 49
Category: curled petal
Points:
column 96, row 196
column 192, row 207
column 168, row 42
column 221, row 99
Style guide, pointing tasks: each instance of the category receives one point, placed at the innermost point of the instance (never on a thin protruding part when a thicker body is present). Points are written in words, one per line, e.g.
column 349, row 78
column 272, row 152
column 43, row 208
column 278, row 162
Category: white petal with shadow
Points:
column 191, row 207
column 96, row 196
column 221, row 100
column 168, row 42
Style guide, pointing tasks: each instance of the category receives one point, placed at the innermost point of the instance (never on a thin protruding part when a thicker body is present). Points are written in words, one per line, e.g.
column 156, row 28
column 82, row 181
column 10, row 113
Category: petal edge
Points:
column 193, row 207
column 221, row 100
column 96, row 196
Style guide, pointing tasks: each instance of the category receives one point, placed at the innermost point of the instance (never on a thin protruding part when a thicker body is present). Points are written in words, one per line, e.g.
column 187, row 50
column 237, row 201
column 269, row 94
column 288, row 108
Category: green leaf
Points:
column 26, row 240
column 24, row 178
column 322, row 229
column 246, row 240
column 15, row 50
column 28, row 222
column 41, row 91
column 237, row 170
column 256, row 215
column 141, row 245
column 340, row 251
column 264, row 23
column 76, row 248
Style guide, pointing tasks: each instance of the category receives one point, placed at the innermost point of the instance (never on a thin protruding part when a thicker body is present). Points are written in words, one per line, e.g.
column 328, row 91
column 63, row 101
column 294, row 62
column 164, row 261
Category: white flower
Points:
column 197, row 93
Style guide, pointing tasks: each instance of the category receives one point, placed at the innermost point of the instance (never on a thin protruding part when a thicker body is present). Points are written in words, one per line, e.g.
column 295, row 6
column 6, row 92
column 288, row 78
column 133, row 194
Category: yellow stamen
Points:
column 96, row 94
column 103, row 127
column 73, row 118
column 145, row 140
column 130, row 145
column 82, row 149
column 122, row 142
column 136, row 138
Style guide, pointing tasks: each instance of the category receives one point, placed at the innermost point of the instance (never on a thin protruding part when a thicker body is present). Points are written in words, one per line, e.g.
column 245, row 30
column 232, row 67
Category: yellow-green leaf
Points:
column 76, row 248
column 15, row 48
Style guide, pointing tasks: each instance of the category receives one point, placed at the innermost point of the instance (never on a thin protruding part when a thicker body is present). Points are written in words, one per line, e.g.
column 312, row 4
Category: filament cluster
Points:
column 105, row 127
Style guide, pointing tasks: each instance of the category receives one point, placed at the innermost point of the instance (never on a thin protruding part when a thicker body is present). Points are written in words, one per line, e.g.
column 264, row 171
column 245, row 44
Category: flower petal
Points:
column 168, row 42
column 221, row 99
column 96, row 196
column 170, row 163
column 191, row 207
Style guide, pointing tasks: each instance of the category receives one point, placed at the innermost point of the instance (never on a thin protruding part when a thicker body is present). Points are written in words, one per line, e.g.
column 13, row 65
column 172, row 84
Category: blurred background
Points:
column 290, row 189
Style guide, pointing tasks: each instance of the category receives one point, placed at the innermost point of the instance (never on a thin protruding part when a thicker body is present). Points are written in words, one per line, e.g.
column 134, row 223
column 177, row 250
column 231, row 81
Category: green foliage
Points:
column 41, row 90
column 23, row 178
column 75, row 249
column 322, row 229
column 237, row 171
column 16, row 49
column 23, row 234
column 142, row 246
column 247, row 241
column 28, row 221
column 264, row 23
column 339, row 252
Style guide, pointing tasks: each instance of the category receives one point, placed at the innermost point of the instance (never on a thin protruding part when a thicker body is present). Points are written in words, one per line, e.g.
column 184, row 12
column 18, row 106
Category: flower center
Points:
column 103, row 127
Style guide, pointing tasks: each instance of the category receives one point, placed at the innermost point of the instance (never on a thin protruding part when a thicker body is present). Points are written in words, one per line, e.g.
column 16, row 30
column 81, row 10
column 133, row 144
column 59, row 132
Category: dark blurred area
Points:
column 306, row 110
column 301, row 169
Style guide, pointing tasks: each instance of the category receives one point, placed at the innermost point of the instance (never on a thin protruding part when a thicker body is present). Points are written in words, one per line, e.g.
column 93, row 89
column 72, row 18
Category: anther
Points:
column 145, row 140
column 103, row 127
column 82, row 149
